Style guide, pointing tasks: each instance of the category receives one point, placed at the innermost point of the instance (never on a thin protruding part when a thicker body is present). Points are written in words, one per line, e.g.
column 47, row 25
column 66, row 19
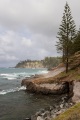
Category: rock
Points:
column 38, row 113
column 51, row 108
column 76, row 91
column 71, row 104
column 63, row 110
column 59, row 112
column 66, row 105
column 46, row 88
column 46, row 113
column 39, row 118
column 61, row 106
column 53, row 116
column 52, row 112
column 42, row 110
column 27, row 119
column 47, row 118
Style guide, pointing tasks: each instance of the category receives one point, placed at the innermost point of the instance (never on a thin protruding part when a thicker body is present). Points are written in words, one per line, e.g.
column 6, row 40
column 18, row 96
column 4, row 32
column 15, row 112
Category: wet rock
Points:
column 66, row 105
column 51, row 111
column 39, row 118
column 53, row 116
column 38, row 113
column 46, row 114
column 61, row 106
column 42, row 110
column 59, row 112
column 51, row 108
column 47, row 118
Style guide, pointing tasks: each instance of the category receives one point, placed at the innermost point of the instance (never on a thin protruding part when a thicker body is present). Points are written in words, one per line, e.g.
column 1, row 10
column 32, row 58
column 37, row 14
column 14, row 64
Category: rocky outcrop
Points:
column 76, row 92
column 55, row 88
column 30, row 64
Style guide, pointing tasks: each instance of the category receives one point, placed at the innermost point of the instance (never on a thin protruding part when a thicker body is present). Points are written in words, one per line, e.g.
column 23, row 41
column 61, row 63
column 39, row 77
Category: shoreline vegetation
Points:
column 57, row 82
column 47, row 62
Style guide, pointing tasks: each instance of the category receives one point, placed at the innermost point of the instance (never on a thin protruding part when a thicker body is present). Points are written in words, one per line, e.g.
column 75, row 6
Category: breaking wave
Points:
column 3, row 92
column 14, row 76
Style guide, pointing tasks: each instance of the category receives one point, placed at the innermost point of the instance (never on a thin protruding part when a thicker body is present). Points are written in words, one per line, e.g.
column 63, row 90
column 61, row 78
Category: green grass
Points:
column 71, row 75
column 71, row 114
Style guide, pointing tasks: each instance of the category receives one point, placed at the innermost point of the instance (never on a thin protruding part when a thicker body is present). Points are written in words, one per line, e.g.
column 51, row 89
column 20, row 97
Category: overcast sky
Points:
column 28, row 28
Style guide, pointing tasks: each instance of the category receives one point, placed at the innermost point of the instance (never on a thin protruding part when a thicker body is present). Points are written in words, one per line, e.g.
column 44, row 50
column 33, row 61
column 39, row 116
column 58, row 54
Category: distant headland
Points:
column 48, row 62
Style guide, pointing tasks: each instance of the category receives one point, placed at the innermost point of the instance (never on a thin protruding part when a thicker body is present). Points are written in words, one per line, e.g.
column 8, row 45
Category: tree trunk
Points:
column 63, row 57
column 67, row 56
column 66, row 64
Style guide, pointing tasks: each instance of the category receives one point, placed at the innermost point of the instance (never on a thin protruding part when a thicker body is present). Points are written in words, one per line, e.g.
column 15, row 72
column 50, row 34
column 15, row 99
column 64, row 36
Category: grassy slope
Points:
column 71, row 114
column 71, row 75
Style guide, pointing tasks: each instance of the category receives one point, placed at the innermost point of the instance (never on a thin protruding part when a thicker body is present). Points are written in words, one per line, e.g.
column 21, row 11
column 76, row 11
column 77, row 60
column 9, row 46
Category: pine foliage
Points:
column 66, row 35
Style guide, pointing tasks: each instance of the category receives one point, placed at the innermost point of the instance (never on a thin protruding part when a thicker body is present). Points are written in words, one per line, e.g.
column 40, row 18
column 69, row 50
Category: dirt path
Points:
column 54, row 72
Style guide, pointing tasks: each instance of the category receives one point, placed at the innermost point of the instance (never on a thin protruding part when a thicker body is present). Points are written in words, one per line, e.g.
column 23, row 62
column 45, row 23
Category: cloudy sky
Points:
column 28, row 28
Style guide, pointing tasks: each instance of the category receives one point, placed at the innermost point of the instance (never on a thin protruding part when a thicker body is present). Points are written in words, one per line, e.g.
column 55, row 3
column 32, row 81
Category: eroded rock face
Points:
column 47, row 88
column 76, row 91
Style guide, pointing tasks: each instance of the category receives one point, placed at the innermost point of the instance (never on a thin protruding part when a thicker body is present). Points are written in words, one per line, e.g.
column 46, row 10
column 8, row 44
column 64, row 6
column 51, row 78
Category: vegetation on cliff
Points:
column 68, row 38
column 48, row 62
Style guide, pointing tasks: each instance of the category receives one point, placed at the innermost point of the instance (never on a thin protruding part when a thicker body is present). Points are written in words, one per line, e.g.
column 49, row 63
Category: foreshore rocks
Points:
column 52, row 111
column 70, row 89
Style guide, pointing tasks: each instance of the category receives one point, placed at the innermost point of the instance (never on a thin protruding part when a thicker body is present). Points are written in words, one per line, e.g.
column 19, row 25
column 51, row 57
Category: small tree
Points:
column 66, row 35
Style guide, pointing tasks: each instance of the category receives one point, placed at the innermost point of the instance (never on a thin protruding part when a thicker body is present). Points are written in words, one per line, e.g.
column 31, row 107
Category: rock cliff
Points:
column 30, row 64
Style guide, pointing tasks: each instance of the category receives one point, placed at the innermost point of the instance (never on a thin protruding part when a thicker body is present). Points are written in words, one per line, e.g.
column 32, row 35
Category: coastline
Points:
column 39, row 84
column 50, row 83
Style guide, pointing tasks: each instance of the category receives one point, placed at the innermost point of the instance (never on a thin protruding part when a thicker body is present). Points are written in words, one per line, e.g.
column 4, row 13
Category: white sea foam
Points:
column 3, row 92
column 13, row 76
column 42, row 72
column 21, row 75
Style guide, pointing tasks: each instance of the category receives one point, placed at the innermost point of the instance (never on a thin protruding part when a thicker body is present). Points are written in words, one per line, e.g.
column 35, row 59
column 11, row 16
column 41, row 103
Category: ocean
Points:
column 15, row 102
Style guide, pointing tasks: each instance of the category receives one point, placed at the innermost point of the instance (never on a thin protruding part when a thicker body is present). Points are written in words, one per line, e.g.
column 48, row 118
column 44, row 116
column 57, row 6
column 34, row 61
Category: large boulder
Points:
column 76, row 91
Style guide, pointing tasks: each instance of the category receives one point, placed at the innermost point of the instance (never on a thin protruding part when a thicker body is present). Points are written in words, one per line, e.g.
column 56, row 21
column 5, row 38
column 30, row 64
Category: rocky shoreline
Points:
column 52, row 111
column 39, row 84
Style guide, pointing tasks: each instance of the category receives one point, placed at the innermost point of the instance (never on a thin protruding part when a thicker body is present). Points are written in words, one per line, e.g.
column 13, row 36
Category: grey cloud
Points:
column 28, row 28
column 38, row 16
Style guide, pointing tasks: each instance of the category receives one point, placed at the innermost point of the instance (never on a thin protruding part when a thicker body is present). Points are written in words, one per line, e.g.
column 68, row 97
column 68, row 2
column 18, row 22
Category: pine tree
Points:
column 66, row 35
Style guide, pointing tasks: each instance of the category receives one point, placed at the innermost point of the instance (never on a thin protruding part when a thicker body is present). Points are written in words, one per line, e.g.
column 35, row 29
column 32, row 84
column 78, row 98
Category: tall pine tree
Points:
column 66, row 35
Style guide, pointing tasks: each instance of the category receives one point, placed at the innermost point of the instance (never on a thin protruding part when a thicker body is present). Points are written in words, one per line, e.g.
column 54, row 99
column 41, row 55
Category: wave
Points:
column 3, row 92
column 21, row 75
column 13, row 76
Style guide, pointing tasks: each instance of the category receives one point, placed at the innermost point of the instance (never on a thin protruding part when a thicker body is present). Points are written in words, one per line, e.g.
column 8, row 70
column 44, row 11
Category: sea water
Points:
column 15, row 102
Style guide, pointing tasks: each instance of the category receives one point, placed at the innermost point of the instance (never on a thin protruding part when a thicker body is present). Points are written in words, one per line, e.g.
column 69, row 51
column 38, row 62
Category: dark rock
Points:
column 47, row 118
column 47, row 113
column 42, row 110
column 51, row 108
column 38, row 113
column 33, row 117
